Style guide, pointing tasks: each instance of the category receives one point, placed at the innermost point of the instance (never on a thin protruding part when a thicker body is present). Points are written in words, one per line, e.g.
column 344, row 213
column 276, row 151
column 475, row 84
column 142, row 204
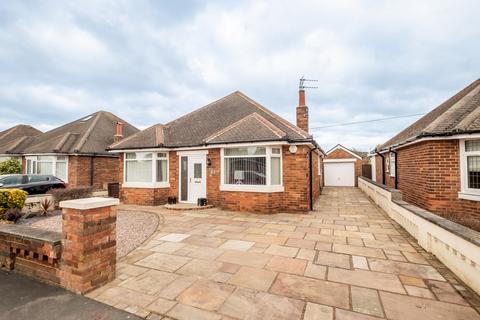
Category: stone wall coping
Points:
column 455, row 228
column 396, row 194
column 24, row 232
column 89, row 203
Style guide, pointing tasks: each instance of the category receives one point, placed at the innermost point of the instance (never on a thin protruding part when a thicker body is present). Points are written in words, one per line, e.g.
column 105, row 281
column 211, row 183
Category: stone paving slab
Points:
column 345, row 261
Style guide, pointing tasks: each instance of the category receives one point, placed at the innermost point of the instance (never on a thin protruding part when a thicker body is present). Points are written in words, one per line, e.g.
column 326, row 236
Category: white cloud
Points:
column 152, row 62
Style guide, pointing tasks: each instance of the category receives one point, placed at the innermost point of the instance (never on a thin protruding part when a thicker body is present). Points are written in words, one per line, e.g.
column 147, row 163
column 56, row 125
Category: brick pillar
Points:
column 89, row 243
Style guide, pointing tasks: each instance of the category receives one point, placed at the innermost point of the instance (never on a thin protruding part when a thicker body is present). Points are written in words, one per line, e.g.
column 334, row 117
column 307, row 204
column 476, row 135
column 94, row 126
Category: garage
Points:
column 339, row 173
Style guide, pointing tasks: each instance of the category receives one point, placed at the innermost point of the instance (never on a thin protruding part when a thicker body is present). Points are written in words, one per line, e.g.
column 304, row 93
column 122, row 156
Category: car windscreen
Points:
column 11, row 180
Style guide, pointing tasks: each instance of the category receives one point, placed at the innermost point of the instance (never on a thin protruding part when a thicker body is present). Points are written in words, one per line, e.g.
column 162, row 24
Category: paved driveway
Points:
column 344, row 261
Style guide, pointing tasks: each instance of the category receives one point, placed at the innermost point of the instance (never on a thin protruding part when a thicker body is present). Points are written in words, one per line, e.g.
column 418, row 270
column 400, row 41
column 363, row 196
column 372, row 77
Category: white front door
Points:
column 193, row 181
column 339, row 174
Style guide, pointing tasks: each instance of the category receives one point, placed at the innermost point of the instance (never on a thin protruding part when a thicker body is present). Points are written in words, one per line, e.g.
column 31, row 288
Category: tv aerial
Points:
column 302, row 85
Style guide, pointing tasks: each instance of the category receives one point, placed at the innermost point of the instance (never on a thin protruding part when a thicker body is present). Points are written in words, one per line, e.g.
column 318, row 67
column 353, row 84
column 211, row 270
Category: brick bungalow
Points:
column 343, row 166
column 76, row 152
column 436, row 161
column 13, row 140
column 234, row 152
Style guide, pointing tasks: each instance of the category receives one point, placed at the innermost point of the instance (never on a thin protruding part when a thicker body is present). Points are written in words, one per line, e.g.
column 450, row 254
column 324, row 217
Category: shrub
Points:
column 70, row 194
column 45, row 205
column 13, row 214
column 11, row 199
column 10, row 166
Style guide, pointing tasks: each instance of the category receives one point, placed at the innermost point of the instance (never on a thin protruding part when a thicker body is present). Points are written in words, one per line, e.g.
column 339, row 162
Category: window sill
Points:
column 146, row 185
column 251, row 188
column 469, row 196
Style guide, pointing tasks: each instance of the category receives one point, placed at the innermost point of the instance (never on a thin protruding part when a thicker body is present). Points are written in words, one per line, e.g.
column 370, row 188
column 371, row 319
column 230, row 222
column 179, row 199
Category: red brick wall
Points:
column 295, row 198
column 105, row 170
column 150, row 196
column 429, row 177
column 342, row 154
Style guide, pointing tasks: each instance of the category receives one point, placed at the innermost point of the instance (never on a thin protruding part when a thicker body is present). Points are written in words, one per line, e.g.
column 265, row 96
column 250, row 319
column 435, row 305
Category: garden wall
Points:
column 80, row 259
column 456, row 246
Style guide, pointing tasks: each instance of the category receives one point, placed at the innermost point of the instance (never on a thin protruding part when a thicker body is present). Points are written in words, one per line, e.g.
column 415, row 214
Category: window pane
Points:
column 473, row 165
column 197, row 170
column 275, row 150
column 245, row 171
column 161, row 170
column 45, row 167
column 61, row 170
column 29, row 166
column 245, row 151
column 130, row 155
column 162, row 155
column 45, row 158
column 61, row 158
column 139, row 171
column 275, row 171
column 472, row 145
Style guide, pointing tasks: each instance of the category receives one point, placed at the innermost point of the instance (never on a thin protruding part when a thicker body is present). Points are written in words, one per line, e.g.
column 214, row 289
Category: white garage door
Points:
column 340, row 174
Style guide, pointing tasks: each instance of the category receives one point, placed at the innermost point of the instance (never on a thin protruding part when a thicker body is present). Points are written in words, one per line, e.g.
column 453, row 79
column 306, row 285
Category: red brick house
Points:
column 76, row 152
column 436, row 161
column 13, row 140
column 343, row 166
column 234, row 152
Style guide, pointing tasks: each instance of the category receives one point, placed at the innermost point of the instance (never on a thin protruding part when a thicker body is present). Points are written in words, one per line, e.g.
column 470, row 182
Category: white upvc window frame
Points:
column 393, row 160
column 268, row 187
column 54, row 160
column 148, row 185
column 466, row 192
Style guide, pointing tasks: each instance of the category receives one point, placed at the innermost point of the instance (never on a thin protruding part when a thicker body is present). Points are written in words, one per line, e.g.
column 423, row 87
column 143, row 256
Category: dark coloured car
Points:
column 31, row 183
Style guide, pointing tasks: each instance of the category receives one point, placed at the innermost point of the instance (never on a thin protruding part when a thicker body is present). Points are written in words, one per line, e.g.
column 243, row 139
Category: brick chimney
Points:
column 302, row 111
column 118, row 132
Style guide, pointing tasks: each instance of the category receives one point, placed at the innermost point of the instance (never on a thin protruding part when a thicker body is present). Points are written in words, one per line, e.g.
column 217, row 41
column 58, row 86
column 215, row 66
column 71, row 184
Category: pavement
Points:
column 345, row 260
column 23, row 298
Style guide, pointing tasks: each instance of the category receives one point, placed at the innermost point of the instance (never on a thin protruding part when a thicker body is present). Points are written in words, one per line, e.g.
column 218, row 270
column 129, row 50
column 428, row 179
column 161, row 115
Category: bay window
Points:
column 146, row 169
column 48, row 165
column 252, row 168
column 470, row 169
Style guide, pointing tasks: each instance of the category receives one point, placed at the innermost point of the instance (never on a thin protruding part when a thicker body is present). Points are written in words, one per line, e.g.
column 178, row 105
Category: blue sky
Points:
column 152, row 61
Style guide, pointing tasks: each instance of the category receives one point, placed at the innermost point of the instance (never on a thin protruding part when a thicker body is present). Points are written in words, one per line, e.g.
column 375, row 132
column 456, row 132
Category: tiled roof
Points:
column 14, row 138
column 234, row 118
column 88, row 135
column 459, row 114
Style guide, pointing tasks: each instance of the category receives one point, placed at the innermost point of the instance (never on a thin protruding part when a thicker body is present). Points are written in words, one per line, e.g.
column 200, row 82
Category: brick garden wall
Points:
column 429, row 177
column 22, row 249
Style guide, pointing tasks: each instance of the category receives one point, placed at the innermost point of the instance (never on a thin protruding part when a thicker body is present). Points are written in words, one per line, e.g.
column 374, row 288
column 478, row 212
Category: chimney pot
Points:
column 118, row 132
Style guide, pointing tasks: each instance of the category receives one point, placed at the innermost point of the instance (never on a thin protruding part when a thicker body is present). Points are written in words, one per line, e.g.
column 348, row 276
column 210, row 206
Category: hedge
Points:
column 12, row 199
column 70, row 194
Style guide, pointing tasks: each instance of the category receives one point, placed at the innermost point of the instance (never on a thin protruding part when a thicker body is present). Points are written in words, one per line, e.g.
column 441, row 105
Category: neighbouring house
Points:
column 13, row 140
column 234, row 152
column 76, row 152
column 436, row 161
column 343, row 166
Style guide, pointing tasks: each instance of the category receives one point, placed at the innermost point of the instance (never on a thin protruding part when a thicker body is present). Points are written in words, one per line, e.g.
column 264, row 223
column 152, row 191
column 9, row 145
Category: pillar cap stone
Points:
column 89, row 203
